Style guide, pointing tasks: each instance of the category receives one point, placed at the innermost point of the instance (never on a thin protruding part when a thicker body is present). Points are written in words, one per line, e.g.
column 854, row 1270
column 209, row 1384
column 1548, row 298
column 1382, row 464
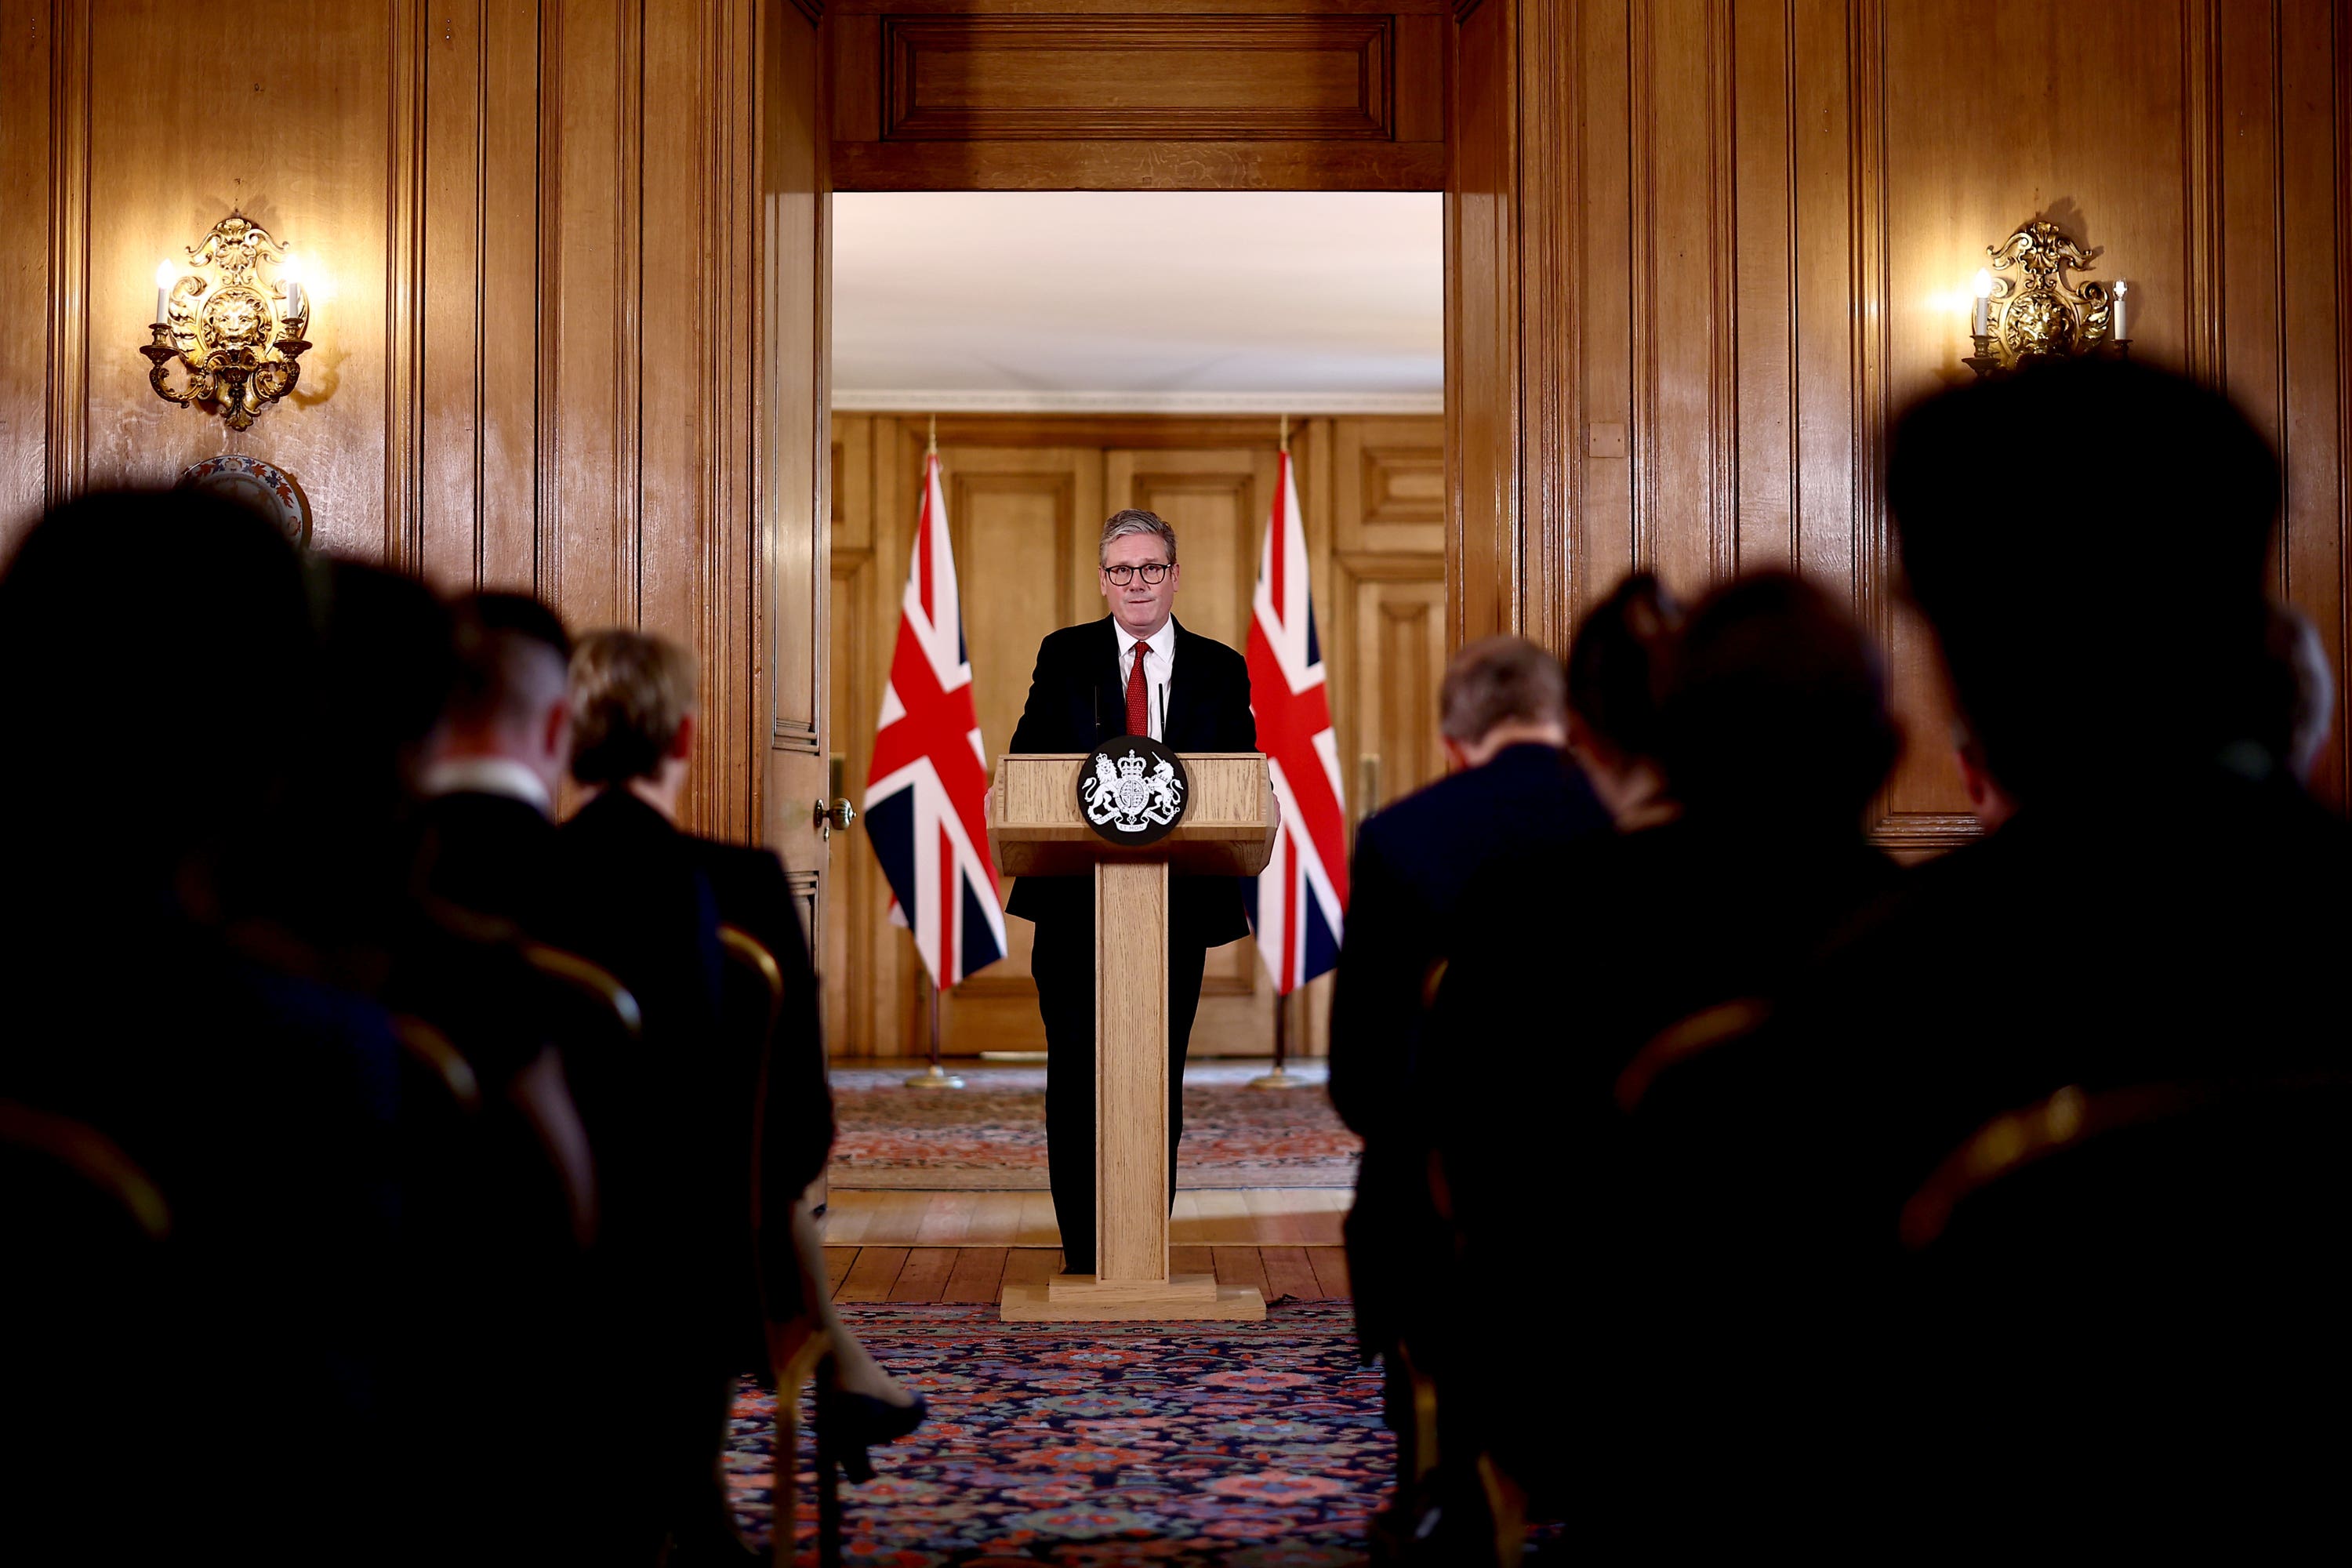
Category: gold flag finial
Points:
column 933, row 449
column 1285, row 431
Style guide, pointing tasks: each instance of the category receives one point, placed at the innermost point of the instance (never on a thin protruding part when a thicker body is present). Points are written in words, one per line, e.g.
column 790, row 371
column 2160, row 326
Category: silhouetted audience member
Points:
column 1511, row 791
column 486, row 825
column 482, row 856
column 672, row 1131
column 263, row 1104
column 1772, row 738
column 679, row 1135
column 2157, row 711
column 859, row 1404
column 1614, row 699
column 2163, row 910
column 506, row 1191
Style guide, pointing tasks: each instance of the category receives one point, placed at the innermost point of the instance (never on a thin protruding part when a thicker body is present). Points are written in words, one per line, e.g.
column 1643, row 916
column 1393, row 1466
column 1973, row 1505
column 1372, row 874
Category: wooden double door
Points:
column 1026, row 496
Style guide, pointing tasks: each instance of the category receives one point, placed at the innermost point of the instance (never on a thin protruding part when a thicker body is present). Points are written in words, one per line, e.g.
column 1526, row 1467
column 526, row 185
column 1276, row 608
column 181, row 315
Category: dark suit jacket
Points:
column 1075, row 703
column 1413, row 860
column 671, row 1129
column 488, row 853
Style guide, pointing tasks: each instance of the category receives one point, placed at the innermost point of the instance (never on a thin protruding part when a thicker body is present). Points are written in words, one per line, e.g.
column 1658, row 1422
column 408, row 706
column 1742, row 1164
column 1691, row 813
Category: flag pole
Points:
column 934, row 1078
column 1280, row 1078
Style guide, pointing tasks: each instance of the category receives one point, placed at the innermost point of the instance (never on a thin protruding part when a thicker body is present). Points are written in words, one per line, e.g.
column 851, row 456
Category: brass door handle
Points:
column 840, row 814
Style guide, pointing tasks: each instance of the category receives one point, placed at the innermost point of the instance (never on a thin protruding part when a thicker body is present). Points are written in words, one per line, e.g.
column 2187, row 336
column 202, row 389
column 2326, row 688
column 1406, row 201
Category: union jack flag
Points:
column 1298, row 901
column 927, row 791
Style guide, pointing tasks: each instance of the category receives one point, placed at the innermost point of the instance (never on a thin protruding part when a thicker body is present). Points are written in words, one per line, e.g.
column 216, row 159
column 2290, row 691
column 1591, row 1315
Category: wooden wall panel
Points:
column 1109, row 94
column 1174, row 77
column 848, row 945
column 1600, row 544
column 30, row 45
column 508, row 315
column 530, row 367
column 1776, row 205
column 1681, row 269
column 1027, row 495
column 2314, row 200
column 310, row 160
column 794, row 542
column 1387, row 478
column 1485, row 528
column 590, row 528
column 457, row 73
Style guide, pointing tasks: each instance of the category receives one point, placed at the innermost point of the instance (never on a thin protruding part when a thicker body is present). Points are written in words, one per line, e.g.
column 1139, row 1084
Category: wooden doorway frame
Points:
column 961, row 95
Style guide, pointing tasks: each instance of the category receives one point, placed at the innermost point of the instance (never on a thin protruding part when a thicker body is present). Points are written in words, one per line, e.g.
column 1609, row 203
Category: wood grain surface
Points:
column 1131, row 1072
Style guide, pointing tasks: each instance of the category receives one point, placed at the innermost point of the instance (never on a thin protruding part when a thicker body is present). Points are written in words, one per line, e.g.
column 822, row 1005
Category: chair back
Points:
column 2158, row 1272
column 755, row 980
column 433, row 1058
column 796, row 1337
column 751, row 1000
column 602, row 1004
column 2157, row 1182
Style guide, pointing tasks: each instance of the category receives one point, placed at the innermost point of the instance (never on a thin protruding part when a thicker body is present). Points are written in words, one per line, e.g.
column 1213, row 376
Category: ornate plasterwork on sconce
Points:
column 239, row 337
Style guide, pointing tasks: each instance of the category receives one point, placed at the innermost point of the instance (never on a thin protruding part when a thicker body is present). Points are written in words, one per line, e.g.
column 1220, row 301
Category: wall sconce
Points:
column 238, row 337
column 2043, row 313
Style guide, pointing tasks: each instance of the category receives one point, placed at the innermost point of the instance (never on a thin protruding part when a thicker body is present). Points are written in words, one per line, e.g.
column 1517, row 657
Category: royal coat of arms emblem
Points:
column 1132, row 790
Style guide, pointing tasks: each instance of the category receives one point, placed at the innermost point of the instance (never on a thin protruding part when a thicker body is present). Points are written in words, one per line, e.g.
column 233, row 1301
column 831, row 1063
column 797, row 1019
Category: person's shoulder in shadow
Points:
column 753, row 891
column 1529, row 802
column 486, row 853
column 616, row 839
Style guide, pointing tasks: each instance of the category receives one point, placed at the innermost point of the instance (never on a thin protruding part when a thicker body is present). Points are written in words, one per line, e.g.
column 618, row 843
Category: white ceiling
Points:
column 1318, row 302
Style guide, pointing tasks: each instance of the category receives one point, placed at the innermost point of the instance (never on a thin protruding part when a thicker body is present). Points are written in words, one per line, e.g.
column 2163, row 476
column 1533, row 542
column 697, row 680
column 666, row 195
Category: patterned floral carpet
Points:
column 991, row 1134
column 1083, row 1446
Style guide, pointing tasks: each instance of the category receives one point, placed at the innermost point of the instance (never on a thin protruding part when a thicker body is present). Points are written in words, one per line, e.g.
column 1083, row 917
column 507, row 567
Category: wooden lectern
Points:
column 1036, row 829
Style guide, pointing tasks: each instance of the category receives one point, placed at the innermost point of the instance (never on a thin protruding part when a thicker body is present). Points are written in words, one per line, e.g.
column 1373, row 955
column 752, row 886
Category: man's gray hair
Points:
column 1496, row 680
column 1135, row 519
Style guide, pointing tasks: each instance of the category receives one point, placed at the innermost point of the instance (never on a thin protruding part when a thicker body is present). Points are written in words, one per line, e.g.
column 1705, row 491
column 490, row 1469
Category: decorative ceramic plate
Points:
column 257, row 486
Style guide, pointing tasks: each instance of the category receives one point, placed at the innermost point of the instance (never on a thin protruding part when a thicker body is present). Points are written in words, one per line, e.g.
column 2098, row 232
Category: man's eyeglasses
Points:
column 1154, row 573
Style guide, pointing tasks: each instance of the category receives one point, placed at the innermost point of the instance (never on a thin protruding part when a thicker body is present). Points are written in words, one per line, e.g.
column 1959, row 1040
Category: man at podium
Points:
column 1136, row 671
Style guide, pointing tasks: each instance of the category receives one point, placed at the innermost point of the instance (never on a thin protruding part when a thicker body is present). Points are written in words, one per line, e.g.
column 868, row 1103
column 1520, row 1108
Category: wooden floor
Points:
column 1240, row 1217
column 918, row 1274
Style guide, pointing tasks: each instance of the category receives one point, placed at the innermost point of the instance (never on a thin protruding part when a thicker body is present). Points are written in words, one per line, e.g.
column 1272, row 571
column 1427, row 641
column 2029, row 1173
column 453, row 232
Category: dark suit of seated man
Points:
column 1503, row 716
column 1136, row 671
column 484, row 835
column 486, row 830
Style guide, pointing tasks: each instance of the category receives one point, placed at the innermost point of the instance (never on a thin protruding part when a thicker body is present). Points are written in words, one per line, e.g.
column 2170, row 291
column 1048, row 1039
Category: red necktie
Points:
column 1139, row 704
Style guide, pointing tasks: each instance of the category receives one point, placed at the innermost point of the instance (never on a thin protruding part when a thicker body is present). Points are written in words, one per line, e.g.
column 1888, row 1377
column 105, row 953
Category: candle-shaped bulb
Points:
column 297, row 304
column 166, row 276
column 2122, row 322
column 1981, row 324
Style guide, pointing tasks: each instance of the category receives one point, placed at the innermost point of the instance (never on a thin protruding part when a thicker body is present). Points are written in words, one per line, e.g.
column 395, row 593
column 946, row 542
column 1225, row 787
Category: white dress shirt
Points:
column 488, row 775
column 1158, row 655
